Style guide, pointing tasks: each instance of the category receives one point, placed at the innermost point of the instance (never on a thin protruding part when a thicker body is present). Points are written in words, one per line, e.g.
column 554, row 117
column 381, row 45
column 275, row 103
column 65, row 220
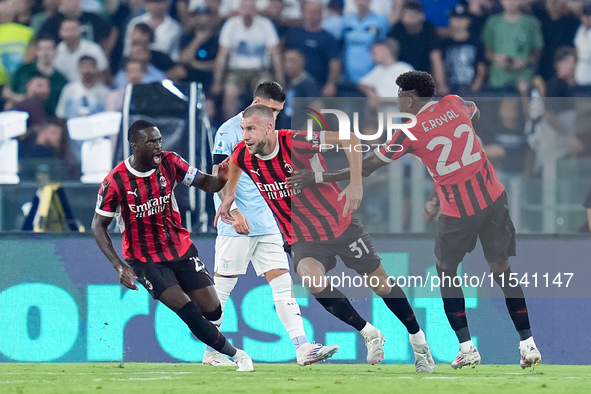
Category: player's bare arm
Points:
column 307, row 178
column 353, row 193
column 240, row 222
column 101, row 235
column 223, row 212
column 211, row 183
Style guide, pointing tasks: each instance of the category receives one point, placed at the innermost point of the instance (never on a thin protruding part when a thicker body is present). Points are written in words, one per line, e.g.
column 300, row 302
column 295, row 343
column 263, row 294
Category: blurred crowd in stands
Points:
column 61, row 59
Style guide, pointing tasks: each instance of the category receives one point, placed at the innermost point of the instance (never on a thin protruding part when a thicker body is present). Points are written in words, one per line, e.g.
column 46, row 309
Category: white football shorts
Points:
column 232, row 254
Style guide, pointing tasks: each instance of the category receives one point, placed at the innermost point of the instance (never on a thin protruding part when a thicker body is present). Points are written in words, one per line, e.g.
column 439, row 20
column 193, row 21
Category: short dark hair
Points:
column 419, row 81
column 133, row 133
column 146, row 29
column 45, row 37
column 270, row 90
column 563, row 52
column 87, row 58
column 258, row 109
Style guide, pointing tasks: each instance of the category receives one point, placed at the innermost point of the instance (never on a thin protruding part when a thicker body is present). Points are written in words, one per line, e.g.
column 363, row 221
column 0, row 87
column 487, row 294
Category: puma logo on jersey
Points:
column 133, row 192
column 257, row 171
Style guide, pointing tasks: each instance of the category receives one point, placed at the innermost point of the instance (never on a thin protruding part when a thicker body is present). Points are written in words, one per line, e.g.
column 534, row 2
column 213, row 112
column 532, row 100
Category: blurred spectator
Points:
column 504, row 140
column 14, row 39
column 48, row 141
column 167, row 31
column 587, row 204
column 575, row 7
column 73, row 48
column 142, row 33
column 479, row 10
column 318, row 47
column 246, row 43
column 437, row 11
column 274, row 13
column 360, row 32
column 45, row 51
column 417, row 37
column 513, row 43
column 121, row 14
column 199, row 48
column 334, row 19
column 458, row 61
column 559, row 27
column 380, row 83
column 555, row 137
column 86, row 96
column 34, row 103
column 24, row 11
column 583, row 43
column 142, row 53
column 299, row 84
column 379, row 7
column 184, row 9
column 135, row 70
column 93, row 27
column 50, row 9
column 291, row 10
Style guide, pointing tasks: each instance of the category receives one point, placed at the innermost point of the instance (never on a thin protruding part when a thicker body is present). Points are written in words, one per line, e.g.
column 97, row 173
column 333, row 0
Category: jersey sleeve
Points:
column 224, row 143
column 183, row 172
column 302, row 145
column 107, row 200
column 398, row 146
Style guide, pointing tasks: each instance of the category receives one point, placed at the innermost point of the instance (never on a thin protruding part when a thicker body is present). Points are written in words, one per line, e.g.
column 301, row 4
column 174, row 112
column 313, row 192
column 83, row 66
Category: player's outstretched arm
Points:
column 353, row 193
column 211, row 183
column 100, row 225
column 223, row 213
column 306, row 178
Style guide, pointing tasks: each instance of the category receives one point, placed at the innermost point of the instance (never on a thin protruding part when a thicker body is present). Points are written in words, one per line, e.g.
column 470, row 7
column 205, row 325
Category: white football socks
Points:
column 288, row 309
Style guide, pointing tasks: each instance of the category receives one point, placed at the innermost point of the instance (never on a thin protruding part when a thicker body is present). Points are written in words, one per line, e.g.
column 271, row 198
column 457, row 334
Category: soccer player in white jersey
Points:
column 254, row 237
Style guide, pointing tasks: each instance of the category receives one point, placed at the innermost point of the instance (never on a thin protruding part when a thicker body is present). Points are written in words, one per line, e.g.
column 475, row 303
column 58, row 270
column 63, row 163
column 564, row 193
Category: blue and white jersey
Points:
column 249, row 200
column 358, row 37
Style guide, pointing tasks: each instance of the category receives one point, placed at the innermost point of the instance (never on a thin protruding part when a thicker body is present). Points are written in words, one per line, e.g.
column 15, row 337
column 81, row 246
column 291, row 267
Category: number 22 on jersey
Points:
column 467, row 156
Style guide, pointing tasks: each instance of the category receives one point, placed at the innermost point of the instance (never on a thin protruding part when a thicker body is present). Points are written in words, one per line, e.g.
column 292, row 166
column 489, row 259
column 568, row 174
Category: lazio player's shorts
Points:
column 232, row 254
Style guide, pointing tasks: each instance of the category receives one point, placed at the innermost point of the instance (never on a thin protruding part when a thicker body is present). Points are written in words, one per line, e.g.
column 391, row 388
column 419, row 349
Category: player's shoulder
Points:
column 239, row 148
column 229, row 129
column 171, row 156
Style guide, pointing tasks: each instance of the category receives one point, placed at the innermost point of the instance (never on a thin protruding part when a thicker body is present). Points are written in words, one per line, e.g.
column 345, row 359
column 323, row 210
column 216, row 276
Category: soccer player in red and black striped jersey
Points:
column 317, row 222
column 160, row 254
column 472, row 199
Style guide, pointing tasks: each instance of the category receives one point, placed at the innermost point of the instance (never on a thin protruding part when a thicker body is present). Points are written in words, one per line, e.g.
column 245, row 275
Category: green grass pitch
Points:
column 288, row 378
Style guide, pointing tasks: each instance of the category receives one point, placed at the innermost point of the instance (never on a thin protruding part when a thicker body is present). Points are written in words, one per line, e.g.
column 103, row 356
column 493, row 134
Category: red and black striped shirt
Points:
column 312, row 214
column 465, row 181
column 146, row 210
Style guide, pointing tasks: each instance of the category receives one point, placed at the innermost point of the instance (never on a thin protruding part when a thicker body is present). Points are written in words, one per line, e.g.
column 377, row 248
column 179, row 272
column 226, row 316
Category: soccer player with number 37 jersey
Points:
column 473, row 202
column 317, row 222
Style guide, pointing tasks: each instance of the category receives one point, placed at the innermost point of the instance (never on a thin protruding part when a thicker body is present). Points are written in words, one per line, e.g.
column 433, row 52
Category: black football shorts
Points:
column 354, row 247
column 493, row 225
column 190, row 273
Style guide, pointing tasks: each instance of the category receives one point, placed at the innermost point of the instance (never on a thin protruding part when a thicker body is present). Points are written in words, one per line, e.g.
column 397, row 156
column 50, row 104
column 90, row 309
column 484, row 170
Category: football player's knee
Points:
column 282, row 288
column 498, row 266
column 214, row 315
